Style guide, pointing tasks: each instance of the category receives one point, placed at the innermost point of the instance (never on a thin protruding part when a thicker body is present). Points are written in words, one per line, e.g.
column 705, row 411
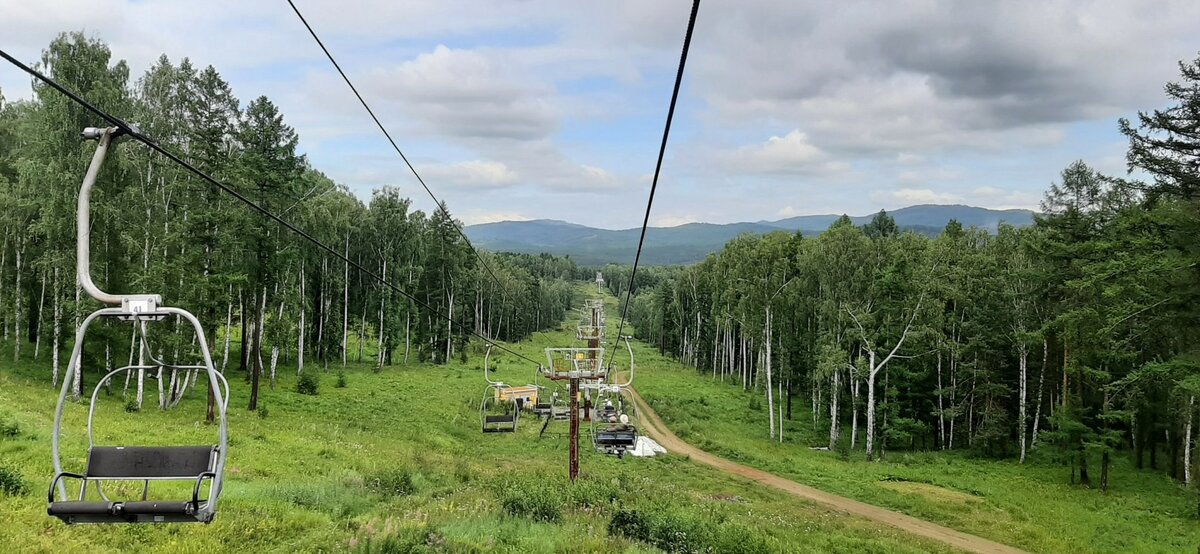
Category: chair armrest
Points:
column 196, row 489
column 54, row 483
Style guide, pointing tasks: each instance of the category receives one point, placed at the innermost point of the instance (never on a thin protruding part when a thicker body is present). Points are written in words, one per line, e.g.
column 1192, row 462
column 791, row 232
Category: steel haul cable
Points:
column 662, row 149
column 149, row 142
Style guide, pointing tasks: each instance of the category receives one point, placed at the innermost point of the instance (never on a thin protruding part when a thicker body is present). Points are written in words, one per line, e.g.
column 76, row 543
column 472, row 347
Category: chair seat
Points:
column 78, row 508
column 157, row 507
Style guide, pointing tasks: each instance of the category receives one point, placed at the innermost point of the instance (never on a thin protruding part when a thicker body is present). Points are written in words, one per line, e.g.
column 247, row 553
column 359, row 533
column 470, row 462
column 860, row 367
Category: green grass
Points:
column 1030, row 506
column 394, row 462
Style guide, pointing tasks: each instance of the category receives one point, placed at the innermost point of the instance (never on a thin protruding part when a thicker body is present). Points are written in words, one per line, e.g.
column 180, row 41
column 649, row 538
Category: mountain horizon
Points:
column 691, row 242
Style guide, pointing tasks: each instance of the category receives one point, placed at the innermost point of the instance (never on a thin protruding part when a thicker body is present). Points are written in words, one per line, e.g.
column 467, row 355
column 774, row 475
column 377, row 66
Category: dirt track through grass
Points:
column 653, row 426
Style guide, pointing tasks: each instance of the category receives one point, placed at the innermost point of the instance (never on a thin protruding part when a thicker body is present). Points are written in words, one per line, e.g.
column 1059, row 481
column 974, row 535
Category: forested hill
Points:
column 691, row 242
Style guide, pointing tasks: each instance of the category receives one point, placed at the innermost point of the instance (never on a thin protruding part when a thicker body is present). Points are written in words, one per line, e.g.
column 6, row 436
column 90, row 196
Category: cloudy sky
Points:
column 554, row 109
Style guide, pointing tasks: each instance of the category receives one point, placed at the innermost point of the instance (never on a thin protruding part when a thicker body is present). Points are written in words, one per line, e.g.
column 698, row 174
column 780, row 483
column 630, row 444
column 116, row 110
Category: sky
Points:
column 554, row 109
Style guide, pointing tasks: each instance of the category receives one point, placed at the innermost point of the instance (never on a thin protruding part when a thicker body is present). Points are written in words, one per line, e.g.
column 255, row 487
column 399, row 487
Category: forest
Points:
column 1074, row 339
column 158, row 229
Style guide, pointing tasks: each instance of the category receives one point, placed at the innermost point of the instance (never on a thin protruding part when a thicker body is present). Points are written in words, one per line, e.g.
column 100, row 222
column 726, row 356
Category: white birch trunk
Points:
column 260, row 328
column 57, row 337
column 1037, row 411
column 274, row 363
column 941, row 406
column 37, row 342
column 1022, row 419
column 1187, row 443
column 17, row 340
column 855, row 387
column 833, row 409
column 407, row 335
column 450, row 324
column 871, row 405
column 300, row 328
column 228, row 330
column 770, row 388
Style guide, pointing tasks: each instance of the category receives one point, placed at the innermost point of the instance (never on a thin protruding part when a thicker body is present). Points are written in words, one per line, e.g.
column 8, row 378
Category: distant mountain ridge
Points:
column 691, row 242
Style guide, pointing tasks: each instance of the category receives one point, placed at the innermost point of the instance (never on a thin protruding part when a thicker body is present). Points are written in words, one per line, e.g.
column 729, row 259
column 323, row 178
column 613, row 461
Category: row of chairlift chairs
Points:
column 607, row 405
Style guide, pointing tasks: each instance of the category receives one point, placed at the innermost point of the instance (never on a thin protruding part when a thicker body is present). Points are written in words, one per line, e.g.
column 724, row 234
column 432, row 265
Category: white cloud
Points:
column 802, row 103
column 472, row 175
column 906, row 196
column 1004, row 199
column 468, row 94
column 791, row 153
column 476, row 217
column 672, row 220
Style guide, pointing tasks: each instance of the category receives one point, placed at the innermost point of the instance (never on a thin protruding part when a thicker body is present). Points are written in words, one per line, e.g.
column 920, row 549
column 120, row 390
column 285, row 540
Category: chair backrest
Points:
column 150, row 462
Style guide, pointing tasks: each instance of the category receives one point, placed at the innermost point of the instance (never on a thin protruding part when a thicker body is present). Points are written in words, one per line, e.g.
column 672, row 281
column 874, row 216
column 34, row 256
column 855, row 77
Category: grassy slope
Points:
column 1032, row 507
column 314, row 474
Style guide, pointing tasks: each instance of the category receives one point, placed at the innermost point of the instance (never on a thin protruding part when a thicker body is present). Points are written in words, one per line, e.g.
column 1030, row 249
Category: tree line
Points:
column 158, row 229
column 1078, row 333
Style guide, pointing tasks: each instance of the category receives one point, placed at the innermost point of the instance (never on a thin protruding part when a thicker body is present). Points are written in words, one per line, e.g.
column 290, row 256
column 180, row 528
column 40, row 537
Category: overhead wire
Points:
column 396, row 147
column 133, row 132
column 662, row 149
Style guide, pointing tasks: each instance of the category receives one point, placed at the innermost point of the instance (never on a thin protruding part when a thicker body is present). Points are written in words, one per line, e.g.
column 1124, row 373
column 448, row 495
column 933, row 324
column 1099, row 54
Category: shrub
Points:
column 755, row 404
column 392, row 482
column 593, row 493
column 131, row 406
column 308, row 384
column 263, row 412
column 675, row 530
column 11, row 483
column 536, row 503
column 9, row 429
column 341, row 380
column 630, row 524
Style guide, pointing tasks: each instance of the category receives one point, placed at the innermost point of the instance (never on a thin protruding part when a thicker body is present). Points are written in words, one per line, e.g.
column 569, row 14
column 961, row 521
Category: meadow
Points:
column 394, row 462
column 1031, row 506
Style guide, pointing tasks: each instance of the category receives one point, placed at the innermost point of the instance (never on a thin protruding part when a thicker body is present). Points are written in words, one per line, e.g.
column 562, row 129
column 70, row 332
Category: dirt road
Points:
column 653, row 426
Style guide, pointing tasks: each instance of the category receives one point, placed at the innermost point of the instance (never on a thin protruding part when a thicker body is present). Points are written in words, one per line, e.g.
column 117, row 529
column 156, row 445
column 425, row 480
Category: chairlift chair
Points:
column 496, row 416
column 613, row 432
column 193, row 463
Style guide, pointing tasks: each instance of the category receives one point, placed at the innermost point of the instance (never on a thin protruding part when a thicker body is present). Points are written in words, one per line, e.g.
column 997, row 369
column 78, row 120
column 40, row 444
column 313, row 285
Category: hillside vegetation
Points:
column 394, row 462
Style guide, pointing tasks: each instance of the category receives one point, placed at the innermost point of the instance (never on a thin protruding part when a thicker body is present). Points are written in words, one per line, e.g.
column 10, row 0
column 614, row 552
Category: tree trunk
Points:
column 1187, row 443
column 407, row 327
column 256, row 354
column 1022, row 358
column 941, row 407
column 871, row 406
column 1037, row 411
column 37, row 342
column 56, row 342
column 228, row 330
column 833, row 410
column 345, row 300
column 449, row 324
column 300, row 328
column 855, row 388
column 244, row 355
column 770, row 388
column 17, row 338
